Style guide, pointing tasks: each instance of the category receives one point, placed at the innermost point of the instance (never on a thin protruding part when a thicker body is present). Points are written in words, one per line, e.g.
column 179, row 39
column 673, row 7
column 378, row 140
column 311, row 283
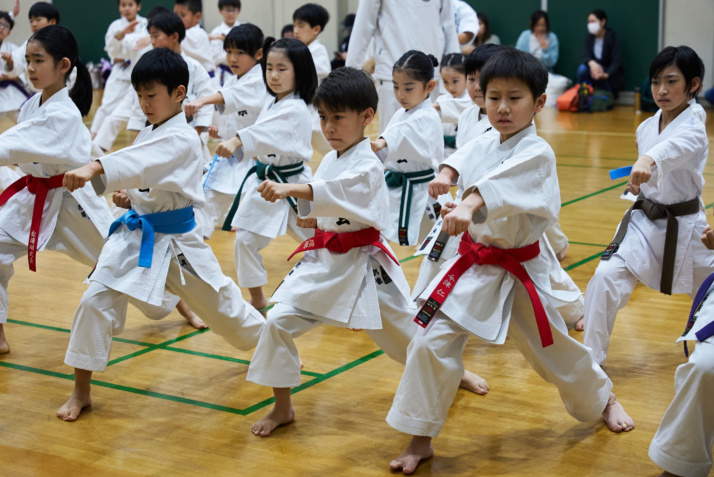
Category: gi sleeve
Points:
column 248, row 96
column 448, row 25
column 362, row 32
column 287, row 133
column 690, row 140
column 410, row 139
column 202, row 85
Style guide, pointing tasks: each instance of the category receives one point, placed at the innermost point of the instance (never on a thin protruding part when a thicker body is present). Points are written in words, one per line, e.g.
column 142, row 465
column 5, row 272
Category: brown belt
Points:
column 655, row 211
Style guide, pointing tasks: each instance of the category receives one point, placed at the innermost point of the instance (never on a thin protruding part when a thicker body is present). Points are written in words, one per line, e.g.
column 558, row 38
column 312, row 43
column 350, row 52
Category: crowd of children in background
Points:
column 490, row 254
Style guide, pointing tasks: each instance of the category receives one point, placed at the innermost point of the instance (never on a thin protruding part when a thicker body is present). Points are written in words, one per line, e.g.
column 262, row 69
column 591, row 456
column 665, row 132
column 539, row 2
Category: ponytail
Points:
column 59, row 43
column 417, row 65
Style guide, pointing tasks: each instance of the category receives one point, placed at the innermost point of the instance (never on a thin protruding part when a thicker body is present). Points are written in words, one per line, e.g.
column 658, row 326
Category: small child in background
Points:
column 196, row 44
column 229, row 10
column 12, row 90
column 118, row 85
column 308, row 22
column 287, row 31
column 280, row 139
column 411, row 148
column 239, row 104
column 451, row 104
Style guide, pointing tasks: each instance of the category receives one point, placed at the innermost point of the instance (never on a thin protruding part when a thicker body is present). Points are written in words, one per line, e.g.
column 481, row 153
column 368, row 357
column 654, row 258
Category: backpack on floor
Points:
column 568, row 101
column 601, row 100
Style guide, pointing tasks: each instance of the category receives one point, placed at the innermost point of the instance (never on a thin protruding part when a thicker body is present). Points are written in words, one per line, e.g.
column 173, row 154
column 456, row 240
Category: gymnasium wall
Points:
column 635, row 21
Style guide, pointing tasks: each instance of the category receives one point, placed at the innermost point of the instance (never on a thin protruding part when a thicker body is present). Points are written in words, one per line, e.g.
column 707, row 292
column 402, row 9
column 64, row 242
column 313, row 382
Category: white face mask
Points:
column 594, row 28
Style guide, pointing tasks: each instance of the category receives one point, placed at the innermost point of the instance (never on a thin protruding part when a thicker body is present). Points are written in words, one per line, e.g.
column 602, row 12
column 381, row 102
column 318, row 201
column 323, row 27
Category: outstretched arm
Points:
column 458, row 220
column 274, row 191
column 76, row 178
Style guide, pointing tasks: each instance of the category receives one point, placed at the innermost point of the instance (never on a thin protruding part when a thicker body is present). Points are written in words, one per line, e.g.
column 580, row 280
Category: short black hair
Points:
column 161, row 66
column 346, row 89
column 303, row 64
column 229, row 3
column 8, row 18
column 454, row 61
column 44, row 10
column 599, row 14
column 138, row 2
column 684, row 58
column 194, row 6
column 513, row 64
column 155, row 11
column 168, row 23
column 287, row 28
column 416, row 65
column 312, row 14
column 535, row 18
column 475, row 60
column 246, row 37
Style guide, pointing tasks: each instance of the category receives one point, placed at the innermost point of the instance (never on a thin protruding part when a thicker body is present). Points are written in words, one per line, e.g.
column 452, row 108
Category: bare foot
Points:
column 191, row 317
column 561, row 255
column 474, row 383
column 272, row 421
column 615, row 416
column 73, row 407
column 580, row 324
column 4, row 345
column 419, row 449
column 302, row 365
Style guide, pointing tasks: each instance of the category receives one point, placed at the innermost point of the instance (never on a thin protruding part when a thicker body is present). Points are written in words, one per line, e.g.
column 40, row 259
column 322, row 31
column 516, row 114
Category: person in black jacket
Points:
column 602, row 56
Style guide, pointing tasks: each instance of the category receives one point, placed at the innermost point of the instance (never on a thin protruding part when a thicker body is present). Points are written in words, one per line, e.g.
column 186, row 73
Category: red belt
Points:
column 38, row 186
column 508, row 259
column 343, row 242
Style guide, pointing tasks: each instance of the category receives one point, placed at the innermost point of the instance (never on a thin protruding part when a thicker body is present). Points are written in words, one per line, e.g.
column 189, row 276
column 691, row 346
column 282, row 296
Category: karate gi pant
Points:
column 115, row 121
column 275, row 362
column 114, row 92
column 609, row 290
column 249, row 263
column 76, row 237
column 435, row 367
column 102, row 313
column 556, row 237
column 213, row 214
column 683, row 443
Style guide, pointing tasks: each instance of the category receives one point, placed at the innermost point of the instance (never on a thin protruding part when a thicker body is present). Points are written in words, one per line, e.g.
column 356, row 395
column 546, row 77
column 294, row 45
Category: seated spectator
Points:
column 485, row 35
column 602, row 56
column 540, row 41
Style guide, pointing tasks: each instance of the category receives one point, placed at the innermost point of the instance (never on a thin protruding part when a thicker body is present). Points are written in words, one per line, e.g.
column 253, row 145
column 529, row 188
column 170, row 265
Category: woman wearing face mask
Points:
column 540, row 41
column 602, row 55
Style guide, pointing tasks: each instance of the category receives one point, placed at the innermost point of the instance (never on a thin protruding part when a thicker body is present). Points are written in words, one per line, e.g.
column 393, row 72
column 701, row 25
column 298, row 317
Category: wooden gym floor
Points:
column 174, row 401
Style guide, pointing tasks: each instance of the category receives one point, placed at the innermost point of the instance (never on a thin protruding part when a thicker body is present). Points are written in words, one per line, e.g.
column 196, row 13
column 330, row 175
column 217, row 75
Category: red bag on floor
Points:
column 568, row 101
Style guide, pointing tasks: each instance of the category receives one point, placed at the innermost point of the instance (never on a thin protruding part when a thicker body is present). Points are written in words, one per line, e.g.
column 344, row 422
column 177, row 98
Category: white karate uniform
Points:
column 683, row 443
column 398, row 26
column 362, row 288
column 519, row 185
column 323, row 67
column 219, row 54
column 415, row 142
column 450, row 110
column 698, row 110
column 281, row 137
column 118, row 85
column 197, row 46
column 680, row 154
column 466, row 20
column 472, row 124
column 11, row 97
column 244, row 98
column 50, row 139
column 160, row 173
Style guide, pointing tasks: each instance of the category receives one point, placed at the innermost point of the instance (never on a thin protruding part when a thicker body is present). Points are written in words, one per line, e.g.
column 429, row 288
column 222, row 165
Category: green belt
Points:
column 406, row 181
column 450, row 141
column 265, row 171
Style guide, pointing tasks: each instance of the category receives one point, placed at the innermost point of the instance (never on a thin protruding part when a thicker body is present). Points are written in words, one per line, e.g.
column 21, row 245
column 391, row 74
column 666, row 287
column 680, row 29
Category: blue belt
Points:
column 707, row 331
column 177, row 221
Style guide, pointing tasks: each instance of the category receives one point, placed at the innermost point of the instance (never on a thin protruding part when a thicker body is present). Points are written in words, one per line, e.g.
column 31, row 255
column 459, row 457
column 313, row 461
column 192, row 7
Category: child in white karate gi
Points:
column 118, row 85
column 498, row 284
column 411, row 147
column 49, row 140
column 348, row 276
column 154, row 245
column 12, row 90
column 657, row 242
column 683, row 443
column 229, row 10
column 308, row 22
column 196, row 44
column 451, row 104
column 280, row 139
column 239, row 103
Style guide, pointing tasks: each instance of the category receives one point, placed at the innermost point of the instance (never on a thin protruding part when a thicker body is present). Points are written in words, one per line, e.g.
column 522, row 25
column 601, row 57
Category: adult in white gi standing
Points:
column 657, row 242
column 398, row 26
column 153, row 246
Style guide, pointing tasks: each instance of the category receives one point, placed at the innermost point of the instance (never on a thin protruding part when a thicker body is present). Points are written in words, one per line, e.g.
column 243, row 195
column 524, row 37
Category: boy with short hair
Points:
column 163, row 178
column 229, row 10
column 196, row 44
column 498, row 284
column 118, row 85
column 308, row 22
